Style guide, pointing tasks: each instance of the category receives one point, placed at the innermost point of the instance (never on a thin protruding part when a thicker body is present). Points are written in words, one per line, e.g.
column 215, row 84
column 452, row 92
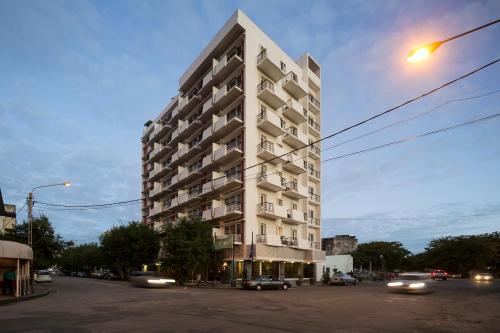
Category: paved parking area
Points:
column 86, row 305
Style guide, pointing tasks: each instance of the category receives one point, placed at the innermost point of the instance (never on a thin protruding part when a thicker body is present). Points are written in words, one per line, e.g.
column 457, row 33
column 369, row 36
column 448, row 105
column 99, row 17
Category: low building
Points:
column 340, row 244
column 16, row 257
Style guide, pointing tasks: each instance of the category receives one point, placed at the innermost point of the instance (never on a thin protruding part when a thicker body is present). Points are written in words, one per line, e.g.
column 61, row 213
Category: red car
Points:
column 439, row 274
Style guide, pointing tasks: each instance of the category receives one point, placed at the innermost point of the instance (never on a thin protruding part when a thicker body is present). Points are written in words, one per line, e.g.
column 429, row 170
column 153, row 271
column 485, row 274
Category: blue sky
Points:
column 79, row 79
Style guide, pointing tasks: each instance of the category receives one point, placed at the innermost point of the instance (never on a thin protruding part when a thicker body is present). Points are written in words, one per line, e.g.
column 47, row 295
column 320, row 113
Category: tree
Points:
column 84, row 257
column 395, row 256
column 47, row 245
column 463, row 253
column 126, row 248
column 188, row 247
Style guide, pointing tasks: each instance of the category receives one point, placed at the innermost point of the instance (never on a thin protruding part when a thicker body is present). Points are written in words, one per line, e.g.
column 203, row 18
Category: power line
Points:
column 406, row 139
column 21, row 209
column 363, row 121
column 88, row 206
column 85, row 208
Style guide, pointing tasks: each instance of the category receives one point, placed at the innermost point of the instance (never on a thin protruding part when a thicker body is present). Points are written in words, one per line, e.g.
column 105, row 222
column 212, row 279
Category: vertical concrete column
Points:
column 260, row 267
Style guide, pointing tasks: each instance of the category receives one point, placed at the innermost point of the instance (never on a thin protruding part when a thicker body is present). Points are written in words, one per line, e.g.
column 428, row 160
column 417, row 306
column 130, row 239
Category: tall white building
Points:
column 242, row 102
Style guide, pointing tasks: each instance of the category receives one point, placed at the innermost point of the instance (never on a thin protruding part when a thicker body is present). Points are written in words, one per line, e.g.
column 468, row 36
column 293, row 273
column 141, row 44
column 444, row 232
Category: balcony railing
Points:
column 314, row 101
column 313, row 221
column 314, row 197
column 233, row 207
column 314, row 173
column 261, row 238
column 265, row 84
column 314, row 149
column 265, row 146
column 314, row 124
column 314, row 245
column 289, row 241
column 261, row 56
column 265, row 207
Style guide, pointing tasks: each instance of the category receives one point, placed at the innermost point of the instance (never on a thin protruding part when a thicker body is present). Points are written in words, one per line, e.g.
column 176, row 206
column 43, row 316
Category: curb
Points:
column 24, row 298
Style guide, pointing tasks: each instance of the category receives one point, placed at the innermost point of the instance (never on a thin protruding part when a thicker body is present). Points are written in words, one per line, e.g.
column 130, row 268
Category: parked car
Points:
column 42, row 277
column 412, row 282
column 483, row 277
column 149, row 280
column 439, row 274
column 110, row 276
column 83, row 275
column 266, row 282
column 343, row 279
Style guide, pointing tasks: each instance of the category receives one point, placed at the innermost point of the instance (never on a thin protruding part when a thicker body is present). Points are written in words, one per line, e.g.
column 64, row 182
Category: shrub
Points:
column 325, row 278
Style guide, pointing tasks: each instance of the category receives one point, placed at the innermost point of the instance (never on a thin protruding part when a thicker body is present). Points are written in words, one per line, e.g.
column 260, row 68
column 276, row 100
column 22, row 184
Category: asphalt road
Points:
column 86, row 305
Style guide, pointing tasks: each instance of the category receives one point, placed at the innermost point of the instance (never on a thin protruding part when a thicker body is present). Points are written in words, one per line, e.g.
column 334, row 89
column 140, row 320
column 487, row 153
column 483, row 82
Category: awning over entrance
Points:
column 15, row 250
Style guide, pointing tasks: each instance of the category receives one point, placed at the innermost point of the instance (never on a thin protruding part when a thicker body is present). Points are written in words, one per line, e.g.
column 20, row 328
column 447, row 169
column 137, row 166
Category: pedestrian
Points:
column 8, row 282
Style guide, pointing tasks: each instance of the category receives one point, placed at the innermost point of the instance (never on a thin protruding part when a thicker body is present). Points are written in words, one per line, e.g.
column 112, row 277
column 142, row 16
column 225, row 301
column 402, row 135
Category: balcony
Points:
column 207, row 135
column 271, row 211
column 229, row 211
column 272, row 182
column 206, row 161
column 226, row 94
column 269, row 65
column 227, row 65
column 205, row 83
column 289, row 241
column 295, row 138
column 228, row 152
column 182, row 198
column 294, row 164
column 313, row 152
column 272, row 240
column 315, row 245
column 171, row 203
column 207, row 214
column 160, row 150
column 271, row 123
column 228, row 182
column 236, row 238
column 313, row 222
column 295, row 216
column 159, row 130
column 313, row 127
column 294, row 111
column 207, row 188
column 271, row 152
column 227, row 124
column 267, row 92
column 313, row 103
column 159, row 170
column 187, row 103
column 159, row 209
column 314, row 199
column 295, row 191
column 313, row 175
column 294, row 85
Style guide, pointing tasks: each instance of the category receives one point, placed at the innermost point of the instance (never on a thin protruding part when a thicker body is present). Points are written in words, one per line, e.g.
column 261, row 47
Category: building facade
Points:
column 7, row 216
column 339, row 245
column 232, row 149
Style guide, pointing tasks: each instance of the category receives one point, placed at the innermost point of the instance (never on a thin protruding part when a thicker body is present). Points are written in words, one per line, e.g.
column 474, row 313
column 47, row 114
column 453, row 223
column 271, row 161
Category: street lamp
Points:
column 422, row 52
column 30, row 209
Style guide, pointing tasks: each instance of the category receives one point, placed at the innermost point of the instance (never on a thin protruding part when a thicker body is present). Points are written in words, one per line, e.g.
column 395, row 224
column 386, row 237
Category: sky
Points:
column 80, row 78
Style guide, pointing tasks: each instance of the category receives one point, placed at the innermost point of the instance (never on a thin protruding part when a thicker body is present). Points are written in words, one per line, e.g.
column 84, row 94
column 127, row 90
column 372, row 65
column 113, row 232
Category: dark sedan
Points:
column 266, row 282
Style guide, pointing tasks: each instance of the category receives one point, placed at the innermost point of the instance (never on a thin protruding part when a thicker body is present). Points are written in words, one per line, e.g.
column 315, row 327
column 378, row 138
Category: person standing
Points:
column 8, row 282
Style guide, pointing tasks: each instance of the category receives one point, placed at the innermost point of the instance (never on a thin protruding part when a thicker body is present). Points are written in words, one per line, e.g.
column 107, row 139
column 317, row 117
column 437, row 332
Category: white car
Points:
column 43, row 276
column 412, row 283
column 150, row 280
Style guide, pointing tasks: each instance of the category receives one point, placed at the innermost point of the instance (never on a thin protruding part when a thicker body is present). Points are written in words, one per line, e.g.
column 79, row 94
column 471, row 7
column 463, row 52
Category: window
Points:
column 235, row 112
column 279, row 202
column 294, row 206
column 311, row 237
column 262, row 229
column 310, row 213
column 263, row 198
column 294, row 233
column 279, row 231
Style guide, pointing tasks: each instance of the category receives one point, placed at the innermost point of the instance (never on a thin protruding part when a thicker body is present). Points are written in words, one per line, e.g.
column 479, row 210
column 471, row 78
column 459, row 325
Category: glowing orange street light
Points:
column 422, row 52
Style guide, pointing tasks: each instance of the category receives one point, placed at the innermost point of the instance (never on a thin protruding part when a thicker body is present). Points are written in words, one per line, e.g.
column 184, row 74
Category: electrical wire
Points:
column 361, row 122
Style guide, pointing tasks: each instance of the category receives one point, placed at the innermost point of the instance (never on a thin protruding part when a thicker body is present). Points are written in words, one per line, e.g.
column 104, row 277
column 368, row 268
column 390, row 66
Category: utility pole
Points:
column 30, row 219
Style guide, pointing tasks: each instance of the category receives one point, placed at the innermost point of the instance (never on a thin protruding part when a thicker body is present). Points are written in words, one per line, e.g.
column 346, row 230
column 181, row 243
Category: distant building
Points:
column 7, row 216
column 340, row 244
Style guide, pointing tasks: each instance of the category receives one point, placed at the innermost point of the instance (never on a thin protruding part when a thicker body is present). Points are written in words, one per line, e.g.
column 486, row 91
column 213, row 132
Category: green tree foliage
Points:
column 188, row 247
column 84, row 257
column 47, row 245
column 395, row 256
column 126, row 248
column 463, row 253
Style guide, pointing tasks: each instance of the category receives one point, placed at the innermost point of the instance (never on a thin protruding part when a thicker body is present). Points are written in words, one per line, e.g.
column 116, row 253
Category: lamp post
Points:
column 422, row 52
column 30, row 209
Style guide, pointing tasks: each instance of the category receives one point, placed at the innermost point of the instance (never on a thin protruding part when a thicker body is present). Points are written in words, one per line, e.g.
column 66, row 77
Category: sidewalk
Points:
column 39, row 291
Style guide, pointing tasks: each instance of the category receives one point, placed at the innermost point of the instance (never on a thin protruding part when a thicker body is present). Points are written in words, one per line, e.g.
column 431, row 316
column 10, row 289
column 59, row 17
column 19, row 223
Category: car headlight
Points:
column 395, row 284
column 417, row 285
column 477, row 277
column 161, row 281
